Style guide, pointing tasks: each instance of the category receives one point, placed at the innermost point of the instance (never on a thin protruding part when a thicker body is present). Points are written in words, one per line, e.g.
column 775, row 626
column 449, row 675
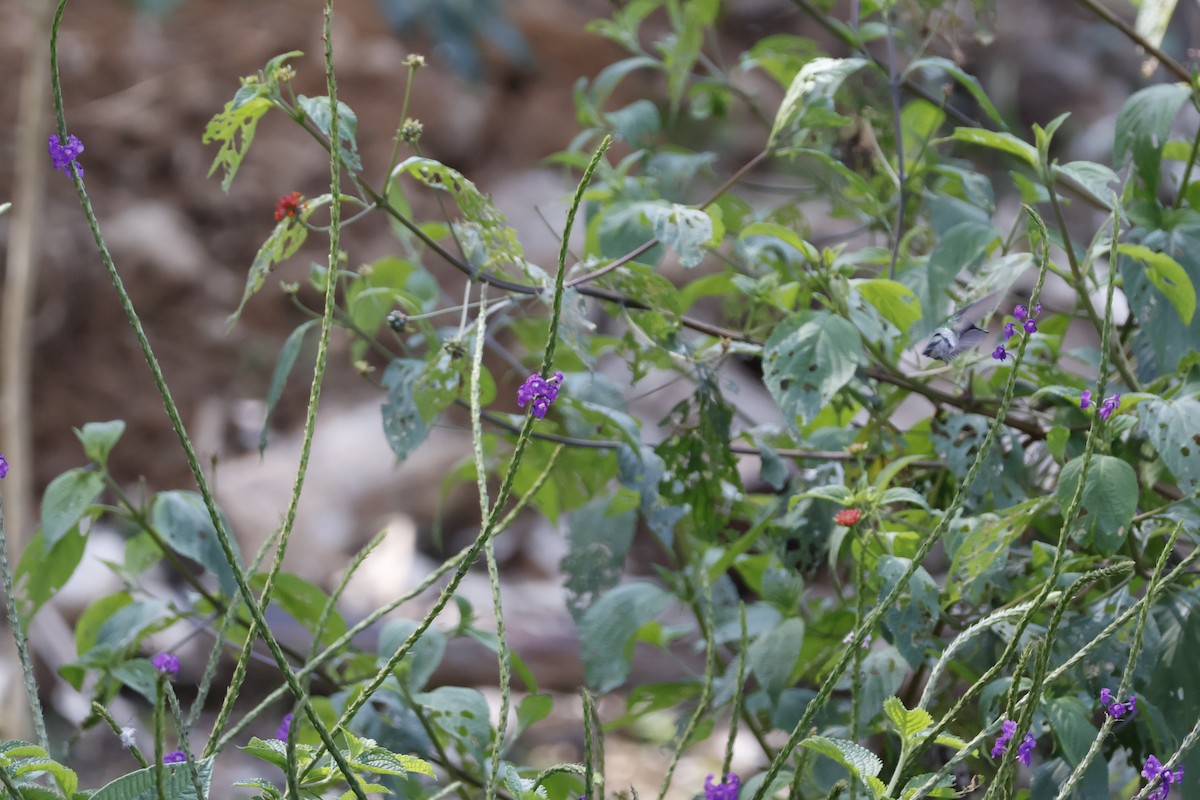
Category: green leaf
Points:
column 944, row 787
column 184, row 523
column 1174, row 430
column 1091, row 179
column 909, row 724
column 639, row 123
column 1073, row 730
column 963, row 246
column 485, row 235
column 234, row 129
column 911, row 619
column 813, row 90
column 423, row 657
column 21, row 759
column 1143, row 128
column 318, row 110
column 139, row 675
column 807, row 359
column 532, row 709
column 1167, row 276
column 87, row 627
column 902, row 494
column 1109, row 498
column 687, row 231
column 381, row 761
column 608, row 628
column 773, row 656
column 679, row 58
column 287, row 360
column 404, row 426
column 67, row 500
column 304, row 601
column 99, row 438
column 284, row 241
column 1153, row 17
column 142, row 784
column 598, row 539
column 968, row 82
column 461, row 714
column 860, row 761
column 979, row 546
column 1004, row 142
column 893, row 300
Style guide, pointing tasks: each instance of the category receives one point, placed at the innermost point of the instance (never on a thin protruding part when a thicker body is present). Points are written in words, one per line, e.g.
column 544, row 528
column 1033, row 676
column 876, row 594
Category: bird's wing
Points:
column 969, row 315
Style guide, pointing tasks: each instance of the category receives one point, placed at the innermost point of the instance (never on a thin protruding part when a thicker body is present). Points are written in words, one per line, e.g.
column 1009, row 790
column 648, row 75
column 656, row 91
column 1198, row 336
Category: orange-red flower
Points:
column 288, row 206
column 848, row 517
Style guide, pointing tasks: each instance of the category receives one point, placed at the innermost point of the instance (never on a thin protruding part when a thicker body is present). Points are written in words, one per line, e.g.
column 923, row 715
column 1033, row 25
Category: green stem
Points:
column 223, row 538
column 19, row 639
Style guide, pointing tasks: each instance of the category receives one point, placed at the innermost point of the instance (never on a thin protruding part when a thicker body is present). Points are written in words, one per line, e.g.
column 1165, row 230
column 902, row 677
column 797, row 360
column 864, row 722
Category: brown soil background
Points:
column 139, row 90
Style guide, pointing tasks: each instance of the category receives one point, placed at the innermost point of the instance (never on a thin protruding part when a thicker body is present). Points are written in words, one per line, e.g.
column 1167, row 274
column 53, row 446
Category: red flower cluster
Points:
column 848, row 517
column 288, row 206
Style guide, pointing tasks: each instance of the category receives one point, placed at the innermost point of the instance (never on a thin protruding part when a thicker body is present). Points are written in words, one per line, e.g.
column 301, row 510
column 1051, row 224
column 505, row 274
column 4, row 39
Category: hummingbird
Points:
column 959, row 333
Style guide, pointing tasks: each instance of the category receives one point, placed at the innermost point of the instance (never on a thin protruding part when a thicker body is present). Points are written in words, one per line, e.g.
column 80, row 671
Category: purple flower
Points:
column 1085, row 400
column 1010, row 328
column 1117, row 709
column 539, row 393
column 174, row 757
column 166, row 664
column 3, row 466
column 1110, row 405
column 1000, row 354
column 727, row 789
column 1154, row 772
column 63, row 155
column 1008, row 729
column 1020, row 312
column 285, row 727
column 1030, row 326
column 1025, row 749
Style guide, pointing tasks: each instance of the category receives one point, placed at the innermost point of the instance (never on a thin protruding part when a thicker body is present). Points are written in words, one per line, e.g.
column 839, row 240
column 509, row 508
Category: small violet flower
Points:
column 848, row 517
column 64, row 155
column 1008, row 729
column 727, row 789
column 3, row 466
column 1010, row 328
column 1000, row 354
column 1117, row 709
column 1110, row 405
column 539, row 393
column 1085, row 400
column 288, row 205
column 1030, row 326
column 285, row 727
column 1025, row 749
column 166, row 664
column 174, row 757
column 1153, row 772
column 1020, row 312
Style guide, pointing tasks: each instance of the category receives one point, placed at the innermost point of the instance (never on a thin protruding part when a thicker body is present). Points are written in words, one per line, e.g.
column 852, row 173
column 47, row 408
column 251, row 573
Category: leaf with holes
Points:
column 485, row 235
column 807, row 359
column 1174, row 430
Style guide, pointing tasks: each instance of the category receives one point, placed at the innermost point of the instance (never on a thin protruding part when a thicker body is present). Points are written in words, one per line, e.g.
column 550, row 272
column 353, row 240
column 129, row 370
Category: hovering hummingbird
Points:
column 959, row 333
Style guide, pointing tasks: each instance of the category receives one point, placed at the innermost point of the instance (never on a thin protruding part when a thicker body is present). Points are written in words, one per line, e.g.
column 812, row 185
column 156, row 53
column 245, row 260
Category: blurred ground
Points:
column 139, row 90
